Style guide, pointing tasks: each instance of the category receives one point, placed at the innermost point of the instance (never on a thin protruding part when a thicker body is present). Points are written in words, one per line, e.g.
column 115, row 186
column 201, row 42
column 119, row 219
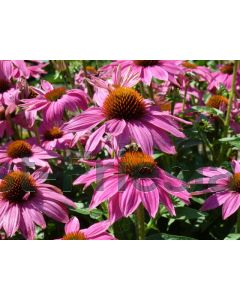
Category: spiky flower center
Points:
column 235, row 182
column 91, row 70
column 137, row 164
column 4, row 86
column 2, row 114
column 55, row 94
column 216, row 101
column 74, row 236
column 19, row 149
column 53, row 133
column 124, row 103
column 16, row 185
column 146, row 63
column 187, row 64
column 227, row 69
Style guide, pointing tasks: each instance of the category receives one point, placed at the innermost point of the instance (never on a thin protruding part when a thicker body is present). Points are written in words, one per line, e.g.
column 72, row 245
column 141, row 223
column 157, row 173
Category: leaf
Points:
column 80, row 209
column 165, row 236
column 189, row 213
column 124, row 229
column 205, row 109
column 233, row 236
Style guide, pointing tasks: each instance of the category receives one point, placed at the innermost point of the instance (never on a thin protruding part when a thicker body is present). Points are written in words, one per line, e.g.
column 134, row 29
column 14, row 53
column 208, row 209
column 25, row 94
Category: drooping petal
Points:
column 231, row 205
column 142, row 136
column 11, row 220
column 216, row 200
column 149, row 195
column 130, row 199
column 115, row 212
column 108, row 188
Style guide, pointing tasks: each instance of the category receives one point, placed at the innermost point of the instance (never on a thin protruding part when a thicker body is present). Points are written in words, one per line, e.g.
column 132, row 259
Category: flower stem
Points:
column 185, row 97
column 150, row 92
column 238, row 222
column 36, row 133
column 229, row 109
column 231, row 98
column 140, row 226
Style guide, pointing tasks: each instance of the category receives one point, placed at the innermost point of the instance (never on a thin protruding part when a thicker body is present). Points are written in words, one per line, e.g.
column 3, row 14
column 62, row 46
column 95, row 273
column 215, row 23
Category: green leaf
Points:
column 206, row 109
column 165, row 236
column 189, row 213
column 233, row 236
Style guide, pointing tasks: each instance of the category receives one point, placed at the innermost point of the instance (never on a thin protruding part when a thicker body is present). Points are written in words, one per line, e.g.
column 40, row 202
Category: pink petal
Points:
column 216, row 200
column 11, row 220
column 231, row 205
column 107, row 189
column 130, row 199
column 142, row 136
column 115, row 127
column 115, row 212
column 150, row 196
column 166, row 201
column 96, row 229
column 73, row 225
column 94, row 140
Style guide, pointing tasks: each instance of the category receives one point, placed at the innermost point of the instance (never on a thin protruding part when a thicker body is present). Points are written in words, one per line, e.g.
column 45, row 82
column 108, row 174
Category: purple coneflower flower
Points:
column 224, row 185
column 97, row 231
column 53, row 101
column 24, row 198
column 132, row 179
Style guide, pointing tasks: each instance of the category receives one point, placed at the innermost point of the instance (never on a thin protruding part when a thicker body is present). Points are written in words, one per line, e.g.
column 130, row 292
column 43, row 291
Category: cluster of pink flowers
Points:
column 127, row 117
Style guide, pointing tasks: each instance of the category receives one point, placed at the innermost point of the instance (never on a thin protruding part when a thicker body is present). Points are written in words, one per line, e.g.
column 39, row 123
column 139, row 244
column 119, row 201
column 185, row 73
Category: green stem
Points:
column 231, row 98
column 140, row 226
column 36, row 133
column 88, row 85
column 238, row 222
column 229, row 109
column 142, row 90
column 185, row 97
column 150, row 92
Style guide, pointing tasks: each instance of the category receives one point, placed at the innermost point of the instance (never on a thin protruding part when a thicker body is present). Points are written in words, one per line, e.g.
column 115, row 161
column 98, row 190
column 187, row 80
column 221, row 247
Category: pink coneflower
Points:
column 223, row 76
column 126, row 116
column 201, row 71
column 23, row 200
column 22, row 152
column 218, row 102
column 224, row 185
column 53, row 101
column 97, row 231
column 132, row 179
column 165, row 70
column 54, row 135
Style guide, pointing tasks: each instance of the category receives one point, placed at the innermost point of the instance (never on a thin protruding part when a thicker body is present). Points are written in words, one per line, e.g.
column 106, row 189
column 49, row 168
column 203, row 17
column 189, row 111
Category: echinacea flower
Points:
column 132, row 179
column 218, row 102
column 126, row 116
column 165, row 70
column 22, row 152
column 223, row 76
column 53, row 101
column 224, row 185
column 24, row 198
column 97, row 231
column 201, row 71
column 54, row 135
